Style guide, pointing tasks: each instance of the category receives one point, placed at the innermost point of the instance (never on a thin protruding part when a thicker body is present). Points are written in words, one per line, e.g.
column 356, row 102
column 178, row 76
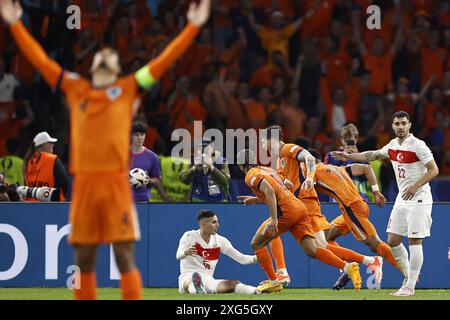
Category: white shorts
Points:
column 413, row 221
column 209, row 282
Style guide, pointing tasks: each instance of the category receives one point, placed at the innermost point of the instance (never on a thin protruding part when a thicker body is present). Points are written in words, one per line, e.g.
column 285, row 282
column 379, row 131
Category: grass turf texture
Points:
column 172, row 294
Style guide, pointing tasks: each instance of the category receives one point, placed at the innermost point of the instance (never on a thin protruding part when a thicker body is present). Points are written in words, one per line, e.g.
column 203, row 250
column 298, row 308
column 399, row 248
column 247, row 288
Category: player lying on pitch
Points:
column 199, row 252
column 287, row 213
column 336, row 182
column 298, row 167
column 101, row 111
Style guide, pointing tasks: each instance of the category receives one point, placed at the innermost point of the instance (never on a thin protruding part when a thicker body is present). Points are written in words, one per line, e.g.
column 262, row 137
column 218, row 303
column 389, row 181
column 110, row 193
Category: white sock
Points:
column 347, row 267
column 368, row 260
column 282, row 271
column 415, row 265
column 244, row 289
column 401, row 257
column 191, row 289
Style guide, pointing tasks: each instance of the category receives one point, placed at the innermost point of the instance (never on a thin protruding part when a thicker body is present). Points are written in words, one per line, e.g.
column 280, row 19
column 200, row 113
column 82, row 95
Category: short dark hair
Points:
column 205, row 214
column 315, row 153
column 273, row 131
column 139, row 126
column 401, row 114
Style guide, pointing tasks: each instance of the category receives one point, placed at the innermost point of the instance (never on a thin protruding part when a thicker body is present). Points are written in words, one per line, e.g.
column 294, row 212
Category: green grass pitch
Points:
column 172, row 294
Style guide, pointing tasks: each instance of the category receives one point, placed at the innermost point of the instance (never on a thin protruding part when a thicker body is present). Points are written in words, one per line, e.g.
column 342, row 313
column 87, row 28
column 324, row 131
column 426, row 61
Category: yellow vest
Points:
column 170, row 179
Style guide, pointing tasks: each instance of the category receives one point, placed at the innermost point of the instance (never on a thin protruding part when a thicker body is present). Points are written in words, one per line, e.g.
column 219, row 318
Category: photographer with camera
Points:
column 349, row 138
column 8, row 192
column 209, row 175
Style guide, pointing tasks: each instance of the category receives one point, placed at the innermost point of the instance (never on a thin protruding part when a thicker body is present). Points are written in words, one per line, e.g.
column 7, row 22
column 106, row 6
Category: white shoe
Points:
column 377, row 269
column 404, row 291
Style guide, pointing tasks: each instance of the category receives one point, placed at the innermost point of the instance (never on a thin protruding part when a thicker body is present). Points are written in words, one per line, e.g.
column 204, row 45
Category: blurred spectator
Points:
column 349, row 137
column 43, row 168
column 7, row 84
column 276, row 37
column 11, row 166
column 434, row 58
column 378, row 62
column 216, row 100
column 435, row 139
column 184, row 107
column 258, row 112
column 434, row 105
column 209, row 175
column 294, row 115
column 147, row 160
column 318, row 139
column 404, row 99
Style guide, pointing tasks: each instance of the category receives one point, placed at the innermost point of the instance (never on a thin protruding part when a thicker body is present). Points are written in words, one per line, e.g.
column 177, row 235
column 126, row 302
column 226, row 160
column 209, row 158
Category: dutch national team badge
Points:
column 113, row 93
column 282, row 163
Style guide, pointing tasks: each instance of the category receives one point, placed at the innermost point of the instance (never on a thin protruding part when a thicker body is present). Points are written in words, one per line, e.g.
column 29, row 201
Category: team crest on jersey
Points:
column 282, row 163
column 400, row 157
column 113, row 93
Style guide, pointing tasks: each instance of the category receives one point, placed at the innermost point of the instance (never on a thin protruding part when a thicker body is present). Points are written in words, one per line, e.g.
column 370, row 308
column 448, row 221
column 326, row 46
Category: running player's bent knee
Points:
column 372, row 244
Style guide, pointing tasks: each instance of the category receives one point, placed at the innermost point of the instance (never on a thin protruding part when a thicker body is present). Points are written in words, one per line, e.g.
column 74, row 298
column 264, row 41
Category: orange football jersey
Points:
column 294, row 170
column 335, row 182
column 286, row 201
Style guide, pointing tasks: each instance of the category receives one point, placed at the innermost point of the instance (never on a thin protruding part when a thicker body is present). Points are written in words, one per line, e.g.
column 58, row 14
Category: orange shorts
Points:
column 355, row 219
column 318, row 221
column 103, row 210
column 297, row 223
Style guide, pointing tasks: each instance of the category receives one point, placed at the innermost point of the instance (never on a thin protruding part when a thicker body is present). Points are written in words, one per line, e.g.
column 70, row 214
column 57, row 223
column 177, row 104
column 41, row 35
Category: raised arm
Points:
column 197, row 16
column 11, row 13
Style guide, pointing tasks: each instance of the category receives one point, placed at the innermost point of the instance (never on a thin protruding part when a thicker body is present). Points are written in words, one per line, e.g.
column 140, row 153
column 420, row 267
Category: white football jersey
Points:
column 208, row 254
column 408, row 161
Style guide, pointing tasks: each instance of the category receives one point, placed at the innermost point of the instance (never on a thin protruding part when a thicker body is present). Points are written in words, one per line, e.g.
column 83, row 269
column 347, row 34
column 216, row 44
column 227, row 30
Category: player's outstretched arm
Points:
column 228, row 249
column 197, row 16
column 11, row 13
column 366, row 156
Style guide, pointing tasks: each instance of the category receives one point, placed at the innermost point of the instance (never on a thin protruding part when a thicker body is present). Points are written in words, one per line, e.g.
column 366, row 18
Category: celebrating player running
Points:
column 101, row 111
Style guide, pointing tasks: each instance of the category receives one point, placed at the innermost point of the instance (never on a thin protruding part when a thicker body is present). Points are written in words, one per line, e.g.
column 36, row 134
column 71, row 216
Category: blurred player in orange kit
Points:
column 101, row 112
column 297, row 166
column 287, row 213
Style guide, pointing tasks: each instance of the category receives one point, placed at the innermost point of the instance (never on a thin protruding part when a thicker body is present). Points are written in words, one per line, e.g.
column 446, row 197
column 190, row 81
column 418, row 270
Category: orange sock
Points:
column 88, row 286
column 328, row 257
column 276, row 247
column 265, row 261
column 333, row 243
column 131, row 285
column 386, row 252
column 346, row 254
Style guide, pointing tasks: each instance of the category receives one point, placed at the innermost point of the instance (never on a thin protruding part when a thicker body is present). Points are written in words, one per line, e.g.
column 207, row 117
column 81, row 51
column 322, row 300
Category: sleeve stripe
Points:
column 259, row 184
column 144, row 78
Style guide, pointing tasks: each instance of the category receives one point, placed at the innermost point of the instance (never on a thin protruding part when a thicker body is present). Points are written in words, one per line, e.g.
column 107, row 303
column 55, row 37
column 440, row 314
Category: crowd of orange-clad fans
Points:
column 310, row 66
